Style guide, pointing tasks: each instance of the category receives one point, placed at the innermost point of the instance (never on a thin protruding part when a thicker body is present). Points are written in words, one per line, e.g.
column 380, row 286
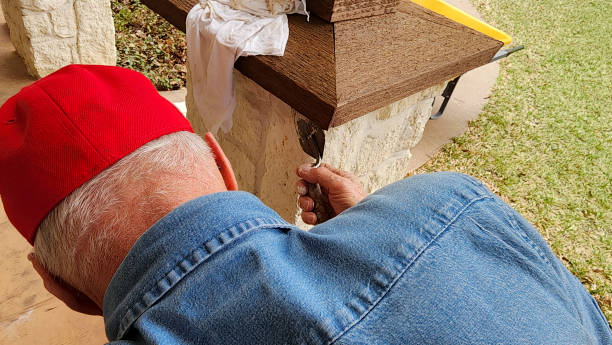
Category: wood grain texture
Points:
column 380, row 60
column 174, row 11
column 335, row 72
column 305, row 77
column 338, row 10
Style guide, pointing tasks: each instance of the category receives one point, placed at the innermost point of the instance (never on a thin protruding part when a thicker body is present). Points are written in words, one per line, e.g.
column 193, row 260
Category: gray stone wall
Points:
column 50, row 34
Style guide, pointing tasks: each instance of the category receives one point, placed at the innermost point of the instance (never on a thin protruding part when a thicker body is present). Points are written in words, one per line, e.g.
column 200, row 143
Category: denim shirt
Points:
column 433, row 259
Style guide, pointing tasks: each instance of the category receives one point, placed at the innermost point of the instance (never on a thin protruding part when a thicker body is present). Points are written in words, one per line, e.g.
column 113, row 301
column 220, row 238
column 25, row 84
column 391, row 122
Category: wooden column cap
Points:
column 335, row 72
column 337, row 10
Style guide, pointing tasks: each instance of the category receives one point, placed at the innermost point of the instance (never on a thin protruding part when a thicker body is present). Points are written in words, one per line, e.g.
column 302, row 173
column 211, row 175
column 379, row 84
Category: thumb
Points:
column 321, row 175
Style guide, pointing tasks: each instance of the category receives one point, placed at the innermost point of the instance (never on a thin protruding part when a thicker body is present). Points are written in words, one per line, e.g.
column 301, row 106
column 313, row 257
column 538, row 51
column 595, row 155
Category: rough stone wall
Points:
column 262, row 145
column 264, row 150
column 50, row 34
column 376, row 147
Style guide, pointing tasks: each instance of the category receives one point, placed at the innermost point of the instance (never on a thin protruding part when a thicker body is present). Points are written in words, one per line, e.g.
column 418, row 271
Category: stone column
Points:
column 264, row 150
column 50, row 34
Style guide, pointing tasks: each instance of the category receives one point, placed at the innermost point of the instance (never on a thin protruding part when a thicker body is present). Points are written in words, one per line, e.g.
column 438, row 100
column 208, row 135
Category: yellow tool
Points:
column 455, row 14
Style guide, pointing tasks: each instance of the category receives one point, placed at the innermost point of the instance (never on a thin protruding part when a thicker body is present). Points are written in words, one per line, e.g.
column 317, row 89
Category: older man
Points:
column 134, row 216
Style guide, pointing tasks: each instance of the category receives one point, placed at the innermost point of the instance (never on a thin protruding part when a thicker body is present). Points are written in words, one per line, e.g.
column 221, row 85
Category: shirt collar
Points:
column 146, row 273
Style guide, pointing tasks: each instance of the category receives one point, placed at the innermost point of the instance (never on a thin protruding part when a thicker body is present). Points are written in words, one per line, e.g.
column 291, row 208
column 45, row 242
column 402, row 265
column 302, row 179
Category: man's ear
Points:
column 73, row 298
column 224, row 165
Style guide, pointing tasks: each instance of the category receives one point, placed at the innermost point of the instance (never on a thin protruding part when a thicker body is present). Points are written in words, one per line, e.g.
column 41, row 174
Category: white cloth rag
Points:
column 218, row 33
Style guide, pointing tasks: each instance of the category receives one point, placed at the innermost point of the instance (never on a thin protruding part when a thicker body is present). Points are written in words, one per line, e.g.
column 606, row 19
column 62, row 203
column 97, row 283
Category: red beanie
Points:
column 64, row 129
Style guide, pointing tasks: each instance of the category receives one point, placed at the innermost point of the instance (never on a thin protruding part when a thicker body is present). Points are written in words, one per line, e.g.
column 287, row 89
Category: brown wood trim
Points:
column 407, row 52
column 322, row 8
column 174, row 11
column 378, row 99
column 338, row 10
column 305, row 77
column 283, row 87
column 333, row 73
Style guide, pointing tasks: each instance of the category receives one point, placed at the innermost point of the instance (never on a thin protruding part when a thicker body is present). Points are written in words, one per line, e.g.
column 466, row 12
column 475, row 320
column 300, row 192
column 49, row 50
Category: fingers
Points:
column 73, row 298
column 343, row 173
column 342, row 190
column 338, row 171
column 323, row 175
column 301, row 187
column 306, row 203
column 309, row 218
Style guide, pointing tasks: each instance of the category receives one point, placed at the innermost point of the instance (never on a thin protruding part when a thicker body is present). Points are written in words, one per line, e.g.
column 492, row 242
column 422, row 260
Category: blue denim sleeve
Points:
column 433, row 259
column 470, row 271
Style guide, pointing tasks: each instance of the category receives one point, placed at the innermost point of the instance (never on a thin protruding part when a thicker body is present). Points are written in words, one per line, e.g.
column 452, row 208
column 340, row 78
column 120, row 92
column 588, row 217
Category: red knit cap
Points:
column 64, row 129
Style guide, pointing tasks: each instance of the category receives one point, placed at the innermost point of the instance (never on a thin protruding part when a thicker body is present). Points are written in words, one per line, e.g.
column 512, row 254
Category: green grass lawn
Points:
column 544, row 141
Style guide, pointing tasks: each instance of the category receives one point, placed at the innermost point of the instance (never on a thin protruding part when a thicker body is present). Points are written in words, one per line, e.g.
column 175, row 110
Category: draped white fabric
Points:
column 218, row 33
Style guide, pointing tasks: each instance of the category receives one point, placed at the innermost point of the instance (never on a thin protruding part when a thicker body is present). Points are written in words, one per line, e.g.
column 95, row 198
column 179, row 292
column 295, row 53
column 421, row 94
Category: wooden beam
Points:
column 305, row 77
column 380, row 60
column 174, row 11
column 335, row 72
column 338, row 10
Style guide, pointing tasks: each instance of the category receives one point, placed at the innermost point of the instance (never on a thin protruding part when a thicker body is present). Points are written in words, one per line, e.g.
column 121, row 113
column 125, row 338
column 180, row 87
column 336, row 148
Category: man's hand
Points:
column 73, row 298
column 342, row 188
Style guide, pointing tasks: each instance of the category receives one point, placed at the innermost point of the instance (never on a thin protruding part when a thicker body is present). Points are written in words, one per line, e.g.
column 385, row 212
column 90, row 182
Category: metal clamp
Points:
column 450, row 87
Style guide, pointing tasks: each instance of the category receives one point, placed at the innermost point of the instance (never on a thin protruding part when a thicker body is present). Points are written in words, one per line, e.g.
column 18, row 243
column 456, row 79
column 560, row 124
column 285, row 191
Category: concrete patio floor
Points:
column 30, row 315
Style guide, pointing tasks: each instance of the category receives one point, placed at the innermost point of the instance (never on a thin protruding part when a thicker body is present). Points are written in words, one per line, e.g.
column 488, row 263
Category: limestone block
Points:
column 245, row 168
column 264, row 149
column 96, row 34
column 376, row 146
column 63, row 21
column 282, row 154
column 50, row 34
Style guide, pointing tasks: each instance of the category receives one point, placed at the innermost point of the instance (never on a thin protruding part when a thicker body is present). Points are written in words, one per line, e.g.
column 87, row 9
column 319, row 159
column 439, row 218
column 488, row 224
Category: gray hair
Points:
column 97, row 203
